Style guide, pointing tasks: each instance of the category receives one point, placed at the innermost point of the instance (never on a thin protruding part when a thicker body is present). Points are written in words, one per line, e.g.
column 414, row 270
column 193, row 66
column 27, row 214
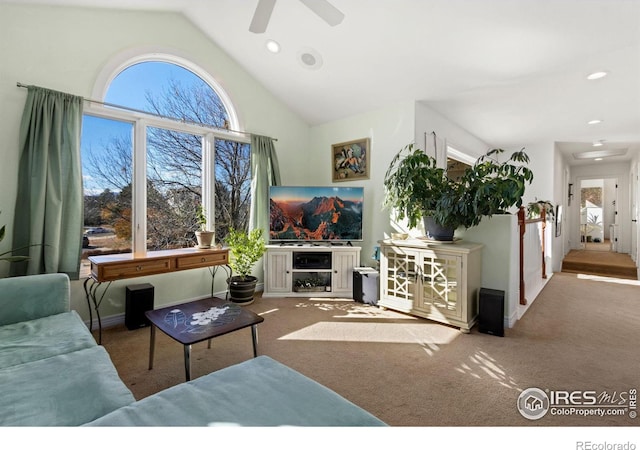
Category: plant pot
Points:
column 436, row 231
column 205, row 238
column 241, row 289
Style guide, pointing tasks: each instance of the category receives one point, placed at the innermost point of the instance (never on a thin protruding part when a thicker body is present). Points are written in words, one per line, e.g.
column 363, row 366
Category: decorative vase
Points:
column 205, row 238
column 241, row 289
column 436, row 231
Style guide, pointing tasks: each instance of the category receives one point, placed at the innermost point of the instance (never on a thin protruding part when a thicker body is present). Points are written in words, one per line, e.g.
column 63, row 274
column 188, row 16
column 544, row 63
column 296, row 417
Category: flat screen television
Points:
column 315, row 214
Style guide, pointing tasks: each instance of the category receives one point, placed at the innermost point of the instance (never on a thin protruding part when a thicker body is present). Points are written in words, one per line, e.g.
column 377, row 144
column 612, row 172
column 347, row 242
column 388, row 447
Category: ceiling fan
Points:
column 325, row 10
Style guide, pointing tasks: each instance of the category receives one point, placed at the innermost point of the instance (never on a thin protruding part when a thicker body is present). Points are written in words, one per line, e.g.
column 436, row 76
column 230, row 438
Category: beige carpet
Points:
column 600, row 262
column 578, row 335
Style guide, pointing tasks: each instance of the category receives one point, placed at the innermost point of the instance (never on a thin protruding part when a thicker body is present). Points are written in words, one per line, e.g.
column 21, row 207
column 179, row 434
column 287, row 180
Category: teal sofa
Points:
column 52, row 373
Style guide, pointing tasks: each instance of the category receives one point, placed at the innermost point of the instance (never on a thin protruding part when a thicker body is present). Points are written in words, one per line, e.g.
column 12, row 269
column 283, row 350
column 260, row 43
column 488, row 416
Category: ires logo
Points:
column 534, row 403
column 588, row 398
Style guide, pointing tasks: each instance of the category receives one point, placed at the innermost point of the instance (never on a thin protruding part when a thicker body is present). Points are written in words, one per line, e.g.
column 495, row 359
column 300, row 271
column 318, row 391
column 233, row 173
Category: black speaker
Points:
column 365, row 285
column 139, row 299
column 491, row 314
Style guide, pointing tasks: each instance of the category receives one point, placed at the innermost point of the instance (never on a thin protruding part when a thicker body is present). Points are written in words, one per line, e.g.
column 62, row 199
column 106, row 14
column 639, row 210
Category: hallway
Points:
column 597, row 259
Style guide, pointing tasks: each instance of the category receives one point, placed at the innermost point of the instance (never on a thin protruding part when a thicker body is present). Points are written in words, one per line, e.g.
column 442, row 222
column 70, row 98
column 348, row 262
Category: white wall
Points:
column 390, row 129
column 500, row 259
column 66, row 49
column 428, row 120
column 562, row 177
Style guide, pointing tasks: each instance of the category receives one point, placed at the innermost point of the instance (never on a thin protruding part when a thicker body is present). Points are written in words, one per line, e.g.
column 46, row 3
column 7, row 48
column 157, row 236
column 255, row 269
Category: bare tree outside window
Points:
column 174, row 171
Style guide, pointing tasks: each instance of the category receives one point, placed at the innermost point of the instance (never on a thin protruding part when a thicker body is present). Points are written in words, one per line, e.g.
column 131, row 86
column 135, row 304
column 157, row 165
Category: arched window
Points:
column 157, row 151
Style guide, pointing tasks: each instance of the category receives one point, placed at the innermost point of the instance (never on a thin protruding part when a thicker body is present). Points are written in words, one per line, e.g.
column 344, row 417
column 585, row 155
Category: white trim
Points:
column 139, row 183
column 139, row 55
column 460, row 156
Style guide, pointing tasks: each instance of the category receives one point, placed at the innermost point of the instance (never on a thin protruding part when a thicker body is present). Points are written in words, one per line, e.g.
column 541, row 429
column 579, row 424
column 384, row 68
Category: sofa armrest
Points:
column 33, row 296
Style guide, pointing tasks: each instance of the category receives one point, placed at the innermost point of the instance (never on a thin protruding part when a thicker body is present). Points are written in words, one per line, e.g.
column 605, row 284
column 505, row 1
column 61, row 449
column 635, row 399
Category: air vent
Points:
column 310, row 58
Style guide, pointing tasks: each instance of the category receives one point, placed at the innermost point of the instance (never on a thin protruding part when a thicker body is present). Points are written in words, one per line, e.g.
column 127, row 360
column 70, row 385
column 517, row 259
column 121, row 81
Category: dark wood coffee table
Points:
column 193, row 322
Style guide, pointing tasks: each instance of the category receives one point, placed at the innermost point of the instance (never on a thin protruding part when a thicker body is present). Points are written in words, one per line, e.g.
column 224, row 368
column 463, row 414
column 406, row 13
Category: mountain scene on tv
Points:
column 318, row 219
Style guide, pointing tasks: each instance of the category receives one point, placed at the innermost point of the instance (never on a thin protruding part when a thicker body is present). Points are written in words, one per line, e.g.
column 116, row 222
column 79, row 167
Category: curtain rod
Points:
column 127, row 108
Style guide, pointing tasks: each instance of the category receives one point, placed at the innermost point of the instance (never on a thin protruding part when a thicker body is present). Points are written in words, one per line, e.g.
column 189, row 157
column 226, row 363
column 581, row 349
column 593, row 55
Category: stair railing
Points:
column 532, row 248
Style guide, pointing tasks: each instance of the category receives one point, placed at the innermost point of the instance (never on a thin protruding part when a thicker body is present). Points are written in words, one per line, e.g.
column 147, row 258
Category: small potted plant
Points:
column 534, row 209
column 246, row 249
column 203, row 236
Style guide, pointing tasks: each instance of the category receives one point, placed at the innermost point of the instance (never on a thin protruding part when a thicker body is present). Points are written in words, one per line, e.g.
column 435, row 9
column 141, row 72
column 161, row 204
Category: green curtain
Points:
column 49, row 205
column 264, row 173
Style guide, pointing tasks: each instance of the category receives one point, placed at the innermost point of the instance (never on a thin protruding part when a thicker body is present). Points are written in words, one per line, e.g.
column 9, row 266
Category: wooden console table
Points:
column 109, row 268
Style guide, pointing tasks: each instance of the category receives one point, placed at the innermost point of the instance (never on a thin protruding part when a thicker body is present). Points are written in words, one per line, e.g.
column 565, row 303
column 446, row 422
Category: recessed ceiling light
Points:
column 594, row 122
column 597, row 159
column 273, row 46
column 596, row 75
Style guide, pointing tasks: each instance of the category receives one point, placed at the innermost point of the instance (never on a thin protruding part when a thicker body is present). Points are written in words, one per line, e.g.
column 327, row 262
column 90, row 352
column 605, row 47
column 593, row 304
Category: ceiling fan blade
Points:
column 325, row 10
column 261, row 16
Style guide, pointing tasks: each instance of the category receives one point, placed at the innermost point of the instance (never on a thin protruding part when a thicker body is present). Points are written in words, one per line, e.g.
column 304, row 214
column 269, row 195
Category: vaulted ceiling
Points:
column 511, row 72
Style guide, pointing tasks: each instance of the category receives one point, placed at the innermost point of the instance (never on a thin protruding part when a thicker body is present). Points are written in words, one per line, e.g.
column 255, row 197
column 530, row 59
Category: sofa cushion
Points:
column 33, row 296
column 63, row 390
column 257, row 392
column 32, row 340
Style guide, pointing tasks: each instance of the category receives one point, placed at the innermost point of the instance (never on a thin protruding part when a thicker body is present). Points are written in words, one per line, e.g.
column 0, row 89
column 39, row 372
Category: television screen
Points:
column 308, row 213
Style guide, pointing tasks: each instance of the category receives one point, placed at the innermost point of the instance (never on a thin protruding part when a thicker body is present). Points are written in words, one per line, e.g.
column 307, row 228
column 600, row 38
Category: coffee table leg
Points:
column 254, row 337
column 187, row 361
column 152, row 345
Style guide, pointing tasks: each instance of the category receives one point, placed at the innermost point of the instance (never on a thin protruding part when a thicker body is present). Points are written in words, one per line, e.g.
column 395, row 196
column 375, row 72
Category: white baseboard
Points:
column 118, row 319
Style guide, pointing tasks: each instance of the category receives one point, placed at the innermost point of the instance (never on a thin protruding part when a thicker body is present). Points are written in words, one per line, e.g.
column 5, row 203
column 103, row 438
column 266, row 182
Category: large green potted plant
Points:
column 246, row 249
column 417, row 189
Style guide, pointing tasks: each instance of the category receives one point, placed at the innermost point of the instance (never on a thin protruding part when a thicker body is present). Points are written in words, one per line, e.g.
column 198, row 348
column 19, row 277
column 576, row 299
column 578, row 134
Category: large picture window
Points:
column 153, row 160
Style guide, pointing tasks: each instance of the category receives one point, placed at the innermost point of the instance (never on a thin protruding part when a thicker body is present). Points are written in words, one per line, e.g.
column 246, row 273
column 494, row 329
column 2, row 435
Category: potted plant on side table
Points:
column 246, row 249
column 203, row 236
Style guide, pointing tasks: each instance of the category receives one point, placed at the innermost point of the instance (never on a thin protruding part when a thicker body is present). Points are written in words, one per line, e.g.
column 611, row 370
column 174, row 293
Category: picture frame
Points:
column 350, row 160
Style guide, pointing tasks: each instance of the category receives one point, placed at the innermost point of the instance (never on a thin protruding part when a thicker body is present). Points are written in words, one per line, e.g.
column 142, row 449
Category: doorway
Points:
column 598, row 214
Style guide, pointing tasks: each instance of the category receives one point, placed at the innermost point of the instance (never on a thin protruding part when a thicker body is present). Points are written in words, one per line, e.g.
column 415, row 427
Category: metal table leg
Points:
column 94, row 300
column 152, row 346
column 187, row 362
column 254, row 337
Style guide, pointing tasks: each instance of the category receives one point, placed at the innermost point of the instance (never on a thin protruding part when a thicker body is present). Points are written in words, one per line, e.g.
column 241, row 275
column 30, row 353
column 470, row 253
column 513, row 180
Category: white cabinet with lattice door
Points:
column 436, row 281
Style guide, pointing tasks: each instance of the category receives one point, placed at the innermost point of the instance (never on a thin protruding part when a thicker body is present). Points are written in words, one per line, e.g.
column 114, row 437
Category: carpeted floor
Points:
column 580, row 334
column 600, row 262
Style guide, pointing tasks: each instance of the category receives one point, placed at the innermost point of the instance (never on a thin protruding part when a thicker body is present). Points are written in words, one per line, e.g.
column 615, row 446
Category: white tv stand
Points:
column 310, row 270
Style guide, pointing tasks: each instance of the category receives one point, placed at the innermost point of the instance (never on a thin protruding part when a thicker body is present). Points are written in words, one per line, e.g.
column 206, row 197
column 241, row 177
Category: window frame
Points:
column 140, row 122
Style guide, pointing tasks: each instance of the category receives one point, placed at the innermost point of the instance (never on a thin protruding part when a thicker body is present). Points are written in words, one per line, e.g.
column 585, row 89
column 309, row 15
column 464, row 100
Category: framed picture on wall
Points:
column 558, row 220
column 350, row 160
